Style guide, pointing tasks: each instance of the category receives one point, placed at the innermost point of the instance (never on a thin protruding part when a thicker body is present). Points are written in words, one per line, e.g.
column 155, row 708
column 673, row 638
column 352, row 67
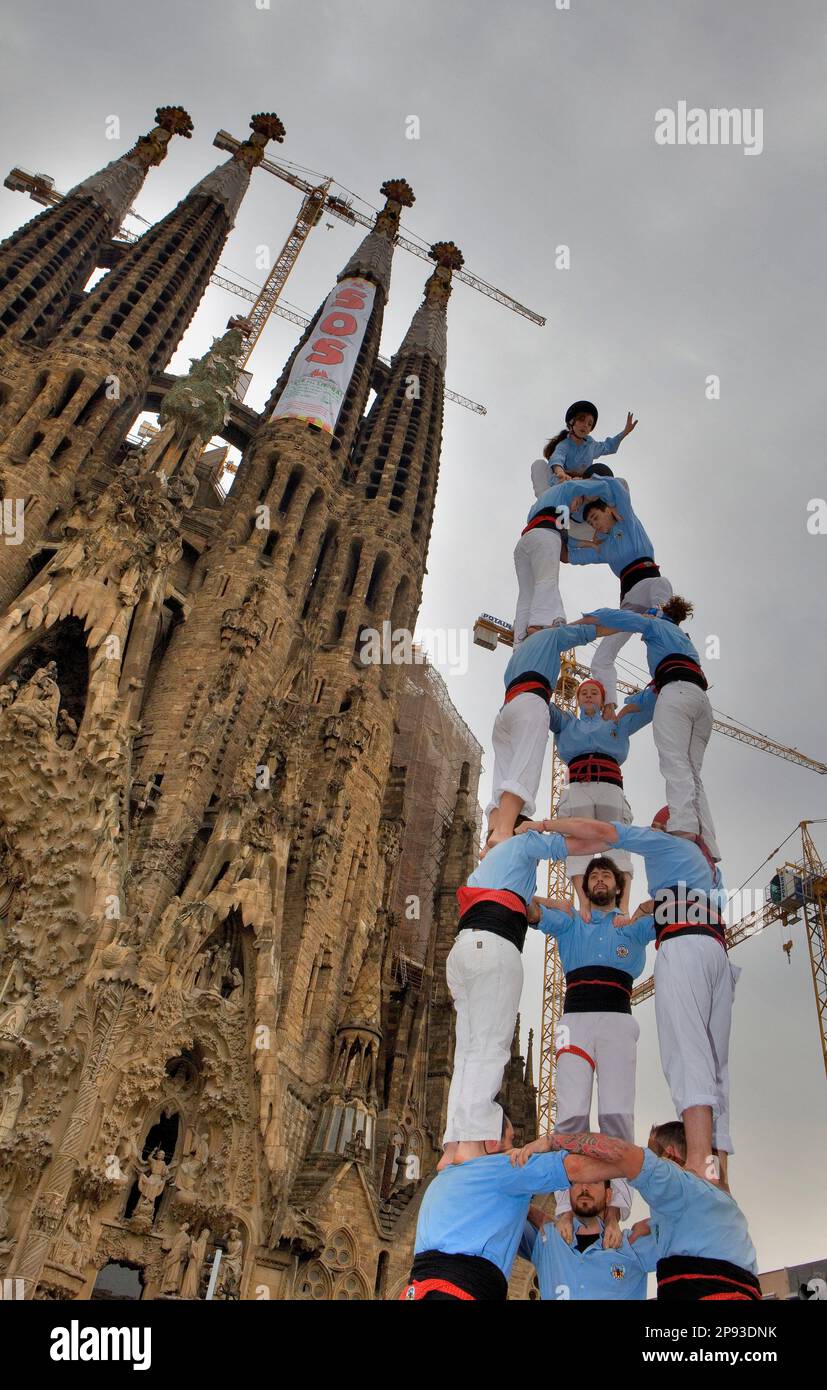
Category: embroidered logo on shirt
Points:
column 618, row 1272
column 622, row 950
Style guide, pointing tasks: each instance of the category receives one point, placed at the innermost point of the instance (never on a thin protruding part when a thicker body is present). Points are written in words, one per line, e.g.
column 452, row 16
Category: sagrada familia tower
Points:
column 223, row 1063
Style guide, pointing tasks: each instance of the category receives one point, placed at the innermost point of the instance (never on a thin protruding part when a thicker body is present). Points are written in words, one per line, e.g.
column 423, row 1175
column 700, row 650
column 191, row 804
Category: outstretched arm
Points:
column 581, row 837
column 589, row 1157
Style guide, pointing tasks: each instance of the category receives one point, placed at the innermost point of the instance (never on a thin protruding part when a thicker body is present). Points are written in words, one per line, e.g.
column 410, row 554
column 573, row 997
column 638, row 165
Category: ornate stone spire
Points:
column 114, row 187
column 228, row 183
column 373, row 257
column 427, row 333
column 50, row 258
column 528, row 1076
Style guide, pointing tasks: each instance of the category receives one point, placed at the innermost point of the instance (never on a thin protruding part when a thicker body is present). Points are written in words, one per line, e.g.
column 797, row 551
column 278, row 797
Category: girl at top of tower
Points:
column 572, row 452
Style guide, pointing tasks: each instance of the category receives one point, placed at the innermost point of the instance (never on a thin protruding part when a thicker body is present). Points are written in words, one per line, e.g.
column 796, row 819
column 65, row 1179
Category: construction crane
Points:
column 488, row 632
column 344, row 209
column 264, row 299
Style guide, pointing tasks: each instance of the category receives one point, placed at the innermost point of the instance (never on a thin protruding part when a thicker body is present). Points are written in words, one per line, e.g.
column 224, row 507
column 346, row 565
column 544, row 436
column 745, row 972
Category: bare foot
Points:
column 497, row 838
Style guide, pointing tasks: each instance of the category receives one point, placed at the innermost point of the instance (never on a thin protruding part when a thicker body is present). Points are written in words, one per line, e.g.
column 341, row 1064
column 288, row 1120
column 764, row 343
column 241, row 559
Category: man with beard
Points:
column 704, row 1250
column 584, row 1268
column 597, row 1035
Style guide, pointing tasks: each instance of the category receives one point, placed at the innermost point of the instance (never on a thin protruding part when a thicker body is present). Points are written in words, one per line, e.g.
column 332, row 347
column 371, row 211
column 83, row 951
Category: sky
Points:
column 536, row 129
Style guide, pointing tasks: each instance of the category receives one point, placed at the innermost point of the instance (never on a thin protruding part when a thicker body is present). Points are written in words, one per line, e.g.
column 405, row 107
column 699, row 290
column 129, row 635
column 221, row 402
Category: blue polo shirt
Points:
column 598, row 942
column 661, row 636
column 541, row 651
column 480, row 1207
column 691, row 1216
column 627, row 540
column 564, row 1272
column 576, row 458
column 512, row 865
column 670, row 860
column 576, row 734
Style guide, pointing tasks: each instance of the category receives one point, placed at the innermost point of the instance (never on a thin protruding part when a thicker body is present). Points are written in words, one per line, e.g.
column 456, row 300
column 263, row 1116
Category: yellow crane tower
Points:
column 802, row 887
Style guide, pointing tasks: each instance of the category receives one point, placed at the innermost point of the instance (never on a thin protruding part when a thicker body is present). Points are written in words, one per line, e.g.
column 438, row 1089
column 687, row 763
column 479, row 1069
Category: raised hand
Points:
column 630, row 424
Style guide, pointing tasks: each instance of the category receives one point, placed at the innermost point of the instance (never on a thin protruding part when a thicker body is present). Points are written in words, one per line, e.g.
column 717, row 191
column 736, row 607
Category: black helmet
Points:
column 581, row 408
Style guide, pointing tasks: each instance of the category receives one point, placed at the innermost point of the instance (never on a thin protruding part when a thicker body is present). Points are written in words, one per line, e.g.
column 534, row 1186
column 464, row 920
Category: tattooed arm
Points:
column 589, row 1157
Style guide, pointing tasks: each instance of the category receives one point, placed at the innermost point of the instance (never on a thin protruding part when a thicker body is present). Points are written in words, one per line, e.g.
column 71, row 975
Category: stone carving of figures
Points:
column 220, row 967
column 193, row 1164
column 231, row 1264
column 67, row 730
column 204, row 969
column 177, row 1249
column 12, row 1102
column 41, row 696
column 236, row 983
column 14, row 1014
column 128, row 1153
column 190, row 1288
column 8, row 692
column 151, row 1183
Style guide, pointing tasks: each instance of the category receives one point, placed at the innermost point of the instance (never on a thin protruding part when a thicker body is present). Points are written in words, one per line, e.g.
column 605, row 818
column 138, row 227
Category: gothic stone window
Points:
column 340, row 1251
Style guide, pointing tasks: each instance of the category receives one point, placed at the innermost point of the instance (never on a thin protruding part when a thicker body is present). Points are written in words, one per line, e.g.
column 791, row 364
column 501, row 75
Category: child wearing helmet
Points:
column 572, row 453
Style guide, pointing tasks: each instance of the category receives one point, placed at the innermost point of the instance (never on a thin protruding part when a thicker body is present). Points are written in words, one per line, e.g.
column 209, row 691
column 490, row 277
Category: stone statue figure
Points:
column 231, row 1266
column 192, row 1274
column 192, row 1166
column 15, row 1013
column 12, row 1102
column 151, row 1184
column 177, row 1250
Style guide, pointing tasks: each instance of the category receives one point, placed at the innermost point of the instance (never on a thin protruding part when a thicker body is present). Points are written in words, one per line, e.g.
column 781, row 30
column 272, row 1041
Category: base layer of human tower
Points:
column 480, row 1209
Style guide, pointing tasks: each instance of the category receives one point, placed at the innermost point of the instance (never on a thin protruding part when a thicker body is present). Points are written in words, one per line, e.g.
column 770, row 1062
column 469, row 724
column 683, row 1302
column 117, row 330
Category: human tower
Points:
column 477, row 1213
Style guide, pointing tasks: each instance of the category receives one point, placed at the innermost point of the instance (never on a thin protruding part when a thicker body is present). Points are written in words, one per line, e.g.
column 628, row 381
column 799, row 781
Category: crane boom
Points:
column 339, row 207
column 265, row 301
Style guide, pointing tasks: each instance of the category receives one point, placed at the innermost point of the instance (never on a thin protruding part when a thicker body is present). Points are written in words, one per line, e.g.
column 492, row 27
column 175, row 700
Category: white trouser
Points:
column 537, row 562
column 600, row 801
column 681, row 728
column 610, row 1041
column 647, row 593
column 485, row 977
column 694, row 989
column 519, row 737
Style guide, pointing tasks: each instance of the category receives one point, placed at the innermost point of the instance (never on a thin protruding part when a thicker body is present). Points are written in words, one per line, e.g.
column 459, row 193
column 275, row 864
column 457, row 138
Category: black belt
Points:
column 549, row 519
column 529, row 682
column 698, row 1277
column 686, row 912
column 471, row 1273
column 595, row 767
column 598, row 989
column 631, row 574
column 678, row 668
column 499, row 920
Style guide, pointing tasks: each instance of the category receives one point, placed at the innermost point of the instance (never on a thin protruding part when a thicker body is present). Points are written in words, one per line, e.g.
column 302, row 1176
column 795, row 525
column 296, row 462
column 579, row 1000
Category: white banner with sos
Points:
column 322, row 370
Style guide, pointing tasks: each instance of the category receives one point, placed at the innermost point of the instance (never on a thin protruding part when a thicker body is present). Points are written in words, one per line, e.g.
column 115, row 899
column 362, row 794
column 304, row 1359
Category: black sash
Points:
column 631, row 574
column 698, row 1277
column 675, row 667
column 475, row 1275
column 595, row 767
column 598, row 989
column 682, row 911
column 500, row 920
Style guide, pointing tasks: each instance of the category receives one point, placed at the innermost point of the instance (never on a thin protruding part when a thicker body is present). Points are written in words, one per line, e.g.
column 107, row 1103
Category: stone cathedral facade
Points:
column 211, row 1038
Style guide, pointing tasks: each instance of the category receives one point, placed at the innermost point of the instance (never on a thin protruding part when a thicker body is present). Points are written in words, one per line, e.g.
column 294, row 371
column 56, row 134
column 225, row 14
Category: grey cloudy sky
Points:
column 536, row 130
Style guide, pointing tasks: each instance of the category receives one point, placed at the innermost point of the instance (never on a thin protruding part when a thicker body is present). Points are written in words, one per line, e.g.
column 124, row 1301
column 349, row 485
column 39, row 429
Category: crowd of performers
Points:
column 477, row 1213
